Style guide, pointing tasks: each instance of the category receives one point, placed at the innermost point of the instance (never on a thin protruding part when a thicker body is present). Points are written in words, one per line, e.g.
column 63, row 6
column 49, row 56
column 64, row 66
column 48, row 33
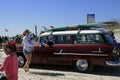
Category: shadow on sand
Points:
column 106, row 71
column 97, row 70
column 48, row 74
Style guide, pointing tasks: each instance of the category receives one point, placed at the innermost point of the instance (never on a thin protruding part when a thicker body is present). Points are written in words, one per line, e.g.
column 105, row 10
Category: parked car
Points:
column 79, row 48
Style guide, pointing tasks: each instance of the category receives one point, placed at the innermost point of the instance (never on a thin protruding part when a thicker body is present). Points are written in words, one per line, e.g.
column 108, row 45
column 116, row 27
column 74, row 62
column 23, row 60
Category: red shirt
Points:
column 10, row 66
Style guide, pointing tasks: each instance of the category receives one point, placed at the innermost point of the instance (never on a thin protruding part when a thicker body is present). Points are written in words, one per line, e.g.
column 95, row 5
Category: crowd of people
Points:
column 3, row 39
column 17, row 39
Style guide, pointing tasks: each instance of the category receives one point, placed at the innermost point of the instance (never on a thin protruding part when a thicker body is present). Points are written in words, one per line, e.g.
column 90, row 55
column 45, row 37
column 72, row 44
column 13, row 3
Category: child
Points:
column 10, row 65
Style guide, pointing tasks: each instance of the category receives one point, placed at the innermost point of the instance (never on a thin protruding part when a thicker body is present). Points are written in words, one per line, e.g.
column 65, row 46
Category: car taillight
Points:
column 115, row 50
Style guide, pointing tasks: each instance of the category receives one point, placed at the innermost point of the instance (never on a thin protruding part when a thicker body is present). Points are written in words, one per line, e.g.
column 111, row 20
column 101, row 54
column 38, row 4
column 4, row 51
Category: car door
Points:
column 92, row 49
column 62, row 47
column 91, row 45
column 36, row 54
column 41, row 51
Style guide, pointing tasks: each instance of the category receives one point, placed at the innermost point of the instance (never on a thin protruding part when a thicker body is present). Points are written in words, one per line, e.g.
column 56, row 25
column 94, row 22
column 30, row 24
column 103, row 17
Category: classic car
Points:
column 79, row 48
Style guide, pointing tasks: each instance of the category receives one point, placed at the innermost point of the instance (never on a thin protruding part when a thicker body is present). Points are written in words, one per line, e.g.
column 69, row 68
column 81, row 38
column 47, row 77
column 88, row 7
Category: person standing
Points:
column 10, row 64
column 113, row 37
column 27, row 49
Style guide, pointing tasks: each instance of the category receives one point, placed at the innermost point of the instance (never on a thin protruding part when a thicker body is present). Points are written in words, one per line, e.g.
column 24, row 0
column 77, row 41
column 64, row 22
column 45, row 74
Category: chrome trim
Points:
column 81, row 54
column 21, row 61
column 113, row 63
column 99, row 51
column 61, row 51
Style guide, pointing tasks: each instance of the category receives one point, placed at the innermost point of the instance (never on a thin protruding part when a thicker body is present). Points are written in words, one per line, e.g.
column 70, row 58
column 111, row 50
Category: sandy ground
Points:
column 65, row 73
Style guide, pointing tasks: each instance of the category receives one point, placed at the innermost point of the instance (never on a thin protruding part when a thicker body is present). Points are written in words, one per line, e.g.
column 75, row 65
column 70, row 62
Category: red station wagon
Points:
column 80, row 48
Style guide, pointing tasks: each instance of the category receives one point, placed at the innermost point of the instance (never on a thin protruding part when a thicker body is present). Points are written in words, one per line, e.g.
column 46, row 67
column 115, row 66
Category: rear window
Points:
column 109, row 39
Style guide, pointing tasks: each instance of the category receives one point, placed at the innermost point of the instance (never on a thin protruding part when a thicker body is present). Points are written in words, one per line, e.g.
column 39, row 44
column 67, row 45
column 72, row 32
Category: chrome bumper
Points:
column 113, row 62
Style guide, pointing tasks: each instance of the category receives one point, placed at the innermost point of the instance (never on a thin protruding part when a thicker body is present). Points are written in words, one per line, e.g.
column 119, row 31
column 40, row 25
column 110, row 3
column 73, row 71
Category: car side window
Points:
column 63, row 39
column 109, row 39
column 89, row 39
column 43, row 39
column 51, row 38
column 99, row 39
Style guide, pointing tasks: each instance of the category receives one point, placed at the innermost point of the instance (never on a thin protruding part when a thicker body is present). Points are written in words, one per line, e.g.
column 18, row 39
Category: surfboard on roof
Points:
column 76, row 27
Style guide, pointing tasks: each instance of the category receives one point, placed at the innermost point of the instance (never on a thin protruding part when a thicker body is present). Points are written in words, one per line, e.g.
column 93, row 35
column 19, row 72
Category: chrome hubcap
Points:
column 20, row 61
column 82, row 65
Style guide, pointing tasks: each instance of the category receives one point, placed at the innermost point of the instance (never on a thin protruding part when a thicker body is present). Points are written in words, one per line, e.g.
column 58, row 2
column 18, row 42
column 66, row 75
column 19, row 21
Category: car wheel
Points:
column 21, row 61
column 83, row 66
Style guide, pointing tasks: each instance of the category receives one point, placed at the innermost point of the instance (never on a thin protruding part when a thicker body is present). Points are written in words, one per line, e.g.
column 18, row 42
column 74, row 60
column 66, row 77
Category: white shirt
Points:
column 27, row 43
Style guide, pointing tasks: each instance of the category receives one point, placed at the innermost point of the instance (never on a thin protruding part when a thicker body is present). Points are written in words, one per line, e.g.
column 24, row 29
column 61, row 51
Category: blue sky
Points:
column 18, row 15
